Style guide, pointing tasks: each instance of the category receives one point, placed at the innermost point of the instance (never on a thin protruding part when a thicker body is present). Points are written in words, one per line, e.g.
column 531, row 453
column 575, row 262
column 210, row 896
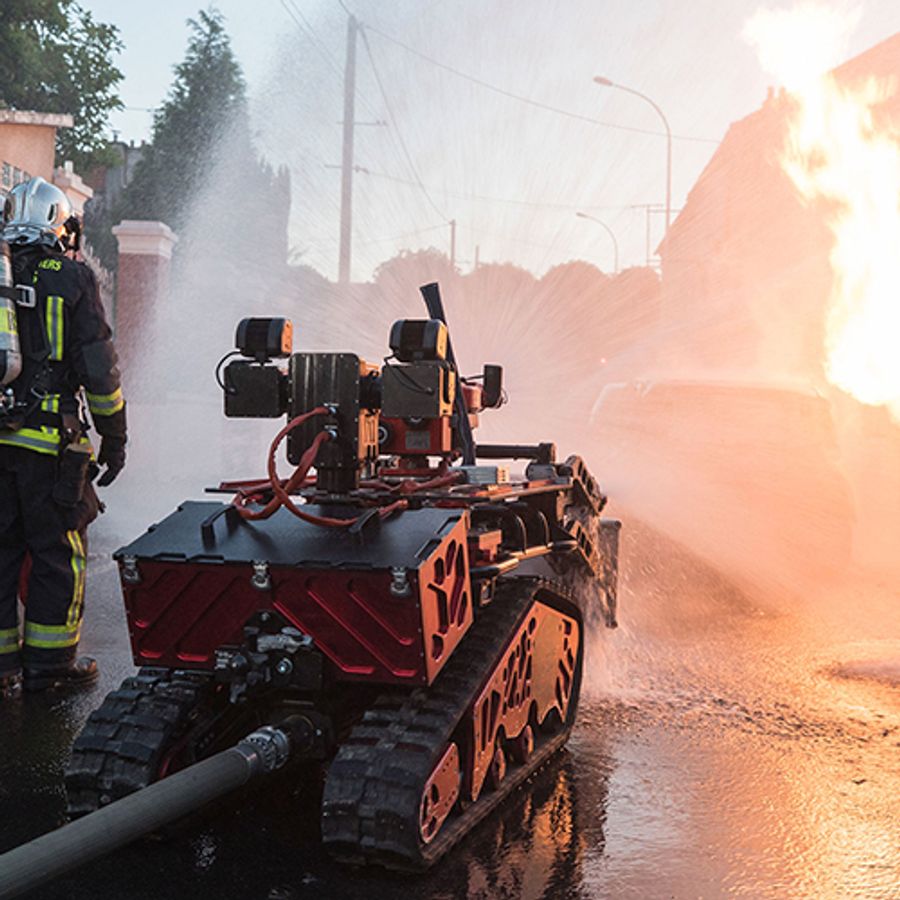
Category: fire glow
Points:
column 843, row 155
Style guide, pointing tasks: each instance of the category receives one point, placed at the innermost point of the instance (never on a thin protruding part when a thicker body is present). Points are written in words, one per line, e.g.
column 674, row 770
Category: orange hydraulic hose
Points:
column 281, row 490
column 297, row 478
column 410, row 486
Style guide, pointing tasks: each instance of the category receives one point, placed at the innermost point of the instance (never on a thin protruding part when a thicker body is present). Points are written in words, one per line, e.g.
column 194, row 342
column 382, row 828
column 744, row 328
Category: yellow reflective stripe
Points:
column 51, row 637
column 50, row 324
column 106, row 404
column 9, row 640
column 73, row 618
column 55, row 326
column 50, row 403
column 86, row 443
column 7, row 320
column 43, row 440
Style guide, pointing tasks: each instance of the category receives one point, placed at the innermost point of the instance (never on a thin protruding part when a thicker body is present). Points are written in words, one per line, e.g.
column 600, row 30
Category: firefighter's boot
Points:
column 10, row 685
column 81, row 672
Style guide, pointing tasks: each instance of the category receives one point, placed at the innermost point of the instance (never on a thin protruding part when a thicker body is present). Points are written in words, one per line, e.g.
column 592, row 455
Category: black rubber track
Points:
column 373, row 789
column 120, row 749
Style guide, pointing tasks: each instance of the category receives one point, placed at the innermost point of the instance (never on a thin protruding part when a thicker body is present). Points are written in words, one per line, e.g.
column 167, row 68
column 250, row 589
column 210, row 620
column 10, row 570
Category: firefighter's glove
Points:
column 112, row 455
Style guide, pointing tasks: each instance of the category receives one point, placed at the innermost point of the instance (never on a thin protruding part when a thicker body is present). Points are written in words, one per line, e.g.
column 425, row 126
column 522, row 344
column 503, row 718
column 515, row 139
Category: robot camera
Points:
column 253, row 388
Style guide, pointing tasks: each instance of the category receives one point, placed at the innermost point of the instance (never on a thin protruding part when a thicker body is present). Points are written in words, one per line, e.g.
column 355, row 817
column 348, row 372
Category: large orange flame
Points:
column 841, row 153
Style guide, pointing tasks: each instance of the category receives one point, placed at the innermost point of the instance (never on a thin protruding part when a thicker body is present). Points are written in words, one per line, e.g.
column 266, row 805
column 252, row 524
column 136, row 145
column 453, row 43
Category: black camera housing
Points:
column 348, row 385
column 254, row 391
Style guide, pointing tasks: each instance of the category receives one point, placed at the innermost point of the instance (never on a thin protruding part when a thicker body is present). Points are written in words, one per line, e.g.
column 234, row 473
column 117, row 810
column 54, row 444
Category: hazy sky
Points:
column 512, row 175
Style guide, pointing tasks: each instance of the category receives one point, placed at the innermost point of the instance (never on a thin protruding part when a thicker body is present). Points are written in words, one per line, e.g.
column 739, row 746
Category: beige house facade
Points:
column 28, row 149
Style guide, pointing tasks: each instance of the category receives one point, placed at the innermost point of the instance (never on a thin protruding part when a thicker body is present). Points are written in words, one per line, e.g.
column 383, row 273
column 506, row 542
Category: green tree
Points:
column 201, row 134
column 55, row 57
column 208, row 94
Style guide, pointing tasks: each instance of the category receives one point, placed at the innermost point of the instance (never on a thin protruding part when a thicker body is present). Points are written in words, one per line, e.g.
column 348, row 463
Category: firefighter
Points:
column 47, row 464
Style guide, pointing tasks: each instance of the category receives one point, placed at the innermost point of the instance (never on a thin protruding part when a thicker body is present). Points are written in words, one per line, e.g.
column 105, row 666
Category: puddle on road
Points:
column 751, row 753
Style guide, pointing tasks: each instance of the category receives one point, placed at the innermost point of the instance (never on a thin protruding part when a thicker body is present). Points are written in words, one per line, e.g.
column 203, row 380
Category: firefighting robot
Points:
column 405, row 627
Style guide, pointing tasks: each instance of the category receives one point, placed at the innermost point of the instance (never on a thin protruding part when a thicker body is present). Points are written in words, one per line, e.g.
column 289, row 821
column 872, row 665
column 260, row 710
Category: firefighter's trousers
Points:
column 33, row 524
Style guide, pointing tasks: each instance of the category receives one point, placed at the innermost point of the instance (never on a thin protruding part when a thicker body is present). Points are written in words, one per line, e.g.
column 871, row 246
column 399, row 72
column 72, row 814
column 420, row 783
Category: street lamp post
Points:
column 605, row 82
column 612, row 236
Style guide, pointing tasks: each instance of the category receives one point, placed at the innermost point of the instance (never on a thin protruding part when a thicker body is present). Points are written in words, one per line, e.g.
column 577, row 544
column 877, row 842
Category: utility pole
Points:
column 452, row 243
column 477, row 257
column 347, row 153
column 648, row 235
column 649, row 209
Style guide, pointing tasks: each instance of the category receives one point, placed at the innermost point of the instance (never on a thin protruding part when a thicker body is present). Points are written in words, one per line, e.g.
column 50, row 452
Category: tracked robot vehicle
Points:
column 408, row 617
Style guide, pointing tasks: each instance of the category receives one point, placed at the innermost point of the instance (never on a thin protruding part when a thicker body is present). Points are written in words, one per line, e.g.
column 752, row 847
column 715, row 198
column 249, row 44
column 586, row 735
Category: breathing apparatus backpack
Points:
column 16, row 405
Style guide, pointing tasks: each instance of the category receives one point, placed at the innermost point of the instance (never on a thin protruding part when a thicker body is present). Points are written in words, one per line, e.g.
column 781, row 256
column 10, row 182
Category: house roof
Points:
column 29, row 117
column 763, row 128
column 882, row 60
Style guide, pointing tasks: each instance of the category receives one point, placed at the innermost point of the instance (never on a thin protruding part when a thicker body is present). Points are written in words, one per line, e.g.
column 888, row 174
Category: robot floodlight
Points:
column 414, row 340
column 264, row 339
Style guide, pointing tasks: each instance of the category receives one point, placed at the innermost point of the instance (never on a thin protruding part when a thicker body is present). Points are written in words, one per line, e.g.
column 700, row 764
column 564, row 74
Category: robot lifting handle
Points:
column 431, row 294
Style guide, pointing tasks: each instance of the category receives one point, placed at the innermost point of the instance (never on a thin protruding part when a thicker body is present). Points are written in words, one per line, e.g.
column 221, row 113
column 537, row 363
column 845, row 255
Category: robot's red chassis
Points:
column 421, row 629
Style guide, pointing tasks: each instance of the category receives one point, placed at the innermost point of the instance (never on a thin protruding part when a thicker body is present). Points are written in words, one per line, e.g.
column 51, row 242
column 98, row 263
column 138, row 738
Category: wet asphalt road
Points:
column 722, row 749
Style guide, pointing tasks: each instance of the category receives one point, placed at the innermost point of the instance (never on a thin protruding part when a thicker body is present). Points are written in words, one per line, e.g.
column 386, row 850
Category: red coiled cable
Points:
column 282, row 491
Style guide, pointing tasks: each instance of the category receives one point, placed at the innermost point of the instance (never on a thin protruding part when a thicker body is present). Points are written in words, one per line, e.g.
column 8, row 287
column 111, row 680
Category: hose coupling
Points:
column 266, row 749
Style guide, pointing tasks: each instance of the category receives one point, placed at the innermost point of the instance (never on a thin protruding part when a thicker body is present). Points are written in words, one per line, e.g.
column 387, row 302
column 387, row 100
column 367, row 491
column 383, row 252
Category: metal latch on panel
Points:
column 400, row 582
column 261, row 579
column 130, row 572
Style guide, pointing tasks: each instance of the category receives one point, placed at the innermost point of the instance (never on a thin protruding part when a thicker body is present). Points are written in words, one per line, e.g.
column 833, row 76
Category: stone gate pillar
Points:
column 145, row 253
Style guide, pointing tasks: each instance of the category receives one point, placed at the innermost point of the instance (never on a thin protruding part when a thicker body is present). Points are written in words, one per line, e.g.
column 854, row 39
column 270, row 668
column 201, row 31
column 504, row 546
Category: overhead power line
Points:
column 406, row 234
column 538, row 204
column 397, row 132
column 547, row 107
column 480, row 232
column 305, row 27
column 506, row 237
column 381, row 240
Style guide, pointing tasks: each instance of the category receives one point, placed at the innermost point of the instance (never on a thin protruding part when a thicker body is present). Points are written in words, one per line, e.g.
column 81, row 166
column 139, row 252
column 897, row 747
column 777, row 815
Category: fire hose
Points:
column 37, row 862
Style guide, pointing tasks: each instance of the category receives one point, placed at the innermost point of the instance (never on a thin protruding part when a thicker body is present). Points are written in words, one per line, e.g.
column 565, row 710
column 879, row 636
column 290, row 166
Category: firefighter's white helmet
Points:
column 36, row 212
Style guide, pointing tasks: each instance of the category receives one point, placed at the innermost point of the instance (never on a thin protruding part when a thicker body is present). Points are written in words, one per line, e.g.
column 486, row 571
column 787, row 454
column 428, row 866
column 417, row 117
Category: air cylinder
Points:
column 10, row 351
